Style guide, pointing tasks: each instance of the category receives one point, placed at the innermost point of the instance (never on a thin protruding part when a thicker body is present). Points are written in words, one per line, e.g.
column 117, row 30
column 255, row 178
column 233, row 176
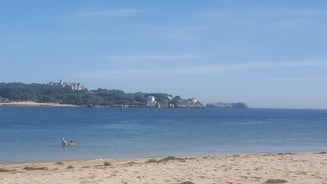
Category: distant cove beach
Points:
column 30, row 103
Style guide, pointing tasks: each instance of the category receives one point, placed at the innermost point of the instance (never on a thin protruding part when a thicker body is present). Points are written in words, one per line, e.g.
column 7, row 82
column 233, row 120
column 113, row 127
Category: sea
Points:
column 35, row 133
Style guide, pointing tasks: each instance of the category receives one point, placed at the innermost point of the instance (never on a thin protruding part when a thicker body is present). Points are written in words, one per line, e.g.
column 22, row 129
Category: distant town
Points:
column 76, row 94
column 74, row 86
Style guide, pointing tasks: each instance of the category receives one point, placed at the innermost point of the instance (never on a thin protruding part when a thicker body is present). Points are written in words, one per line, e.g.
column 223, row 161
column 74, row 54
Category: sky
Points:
column 267, row 54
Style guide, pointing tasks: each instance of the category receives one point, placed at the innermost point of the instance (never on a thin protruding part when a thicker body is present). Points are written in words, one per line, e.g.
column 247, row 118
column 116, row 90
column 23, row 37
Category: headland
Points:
column 75, row 94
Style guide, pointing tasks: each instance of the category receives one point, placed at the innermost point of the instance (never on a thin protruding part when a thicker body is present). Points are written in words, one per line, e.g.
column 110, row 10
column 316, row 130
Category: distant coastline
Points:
column 48, row 104
column 75, row 94
column 238, row 105
column 63, row 94
column 31, row 103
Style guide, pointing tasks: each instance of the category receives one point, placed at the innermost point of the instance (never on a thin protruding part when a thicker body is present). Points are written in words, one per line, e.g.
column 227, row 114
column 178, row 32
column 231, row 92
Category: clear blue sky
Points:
column 263, row 53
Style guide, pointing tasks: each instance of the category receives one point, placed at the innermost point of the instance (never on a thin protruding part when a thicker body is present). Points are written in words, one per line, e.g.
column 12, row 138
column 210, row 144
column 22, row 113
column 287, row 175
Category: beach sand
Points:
column 30, row 103
column 299, row 168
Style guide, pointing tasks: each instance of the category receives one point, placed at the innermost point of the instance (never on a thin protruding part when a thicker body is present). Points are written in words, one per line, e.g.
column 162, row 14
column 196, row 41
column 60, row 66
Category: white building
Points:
column 73, row 86
column 194, row 100
column 151, row 101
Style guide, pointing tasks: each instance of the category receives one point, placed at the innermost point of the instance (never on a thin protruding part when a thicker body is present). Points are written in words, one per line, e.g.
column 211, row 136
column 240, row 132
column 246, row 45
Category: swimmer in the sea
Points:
column 63, row 142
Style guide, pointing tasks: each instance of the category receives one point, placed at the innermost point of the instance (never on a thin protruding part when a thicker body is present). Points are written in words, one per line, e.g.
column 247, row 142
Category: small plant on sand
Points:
column 164, row 160
column 6, row 170
column 187, row 182
column 152, row 160
column 275, row 181
column 107, row 163
column 70, row 167
column 171, row 158
column 27, row 168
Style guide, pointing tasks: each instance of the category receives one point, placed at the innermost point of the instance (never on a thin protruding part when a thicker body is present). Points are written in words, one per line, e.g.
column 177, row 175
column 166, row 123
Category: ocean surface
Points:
column 34, row 133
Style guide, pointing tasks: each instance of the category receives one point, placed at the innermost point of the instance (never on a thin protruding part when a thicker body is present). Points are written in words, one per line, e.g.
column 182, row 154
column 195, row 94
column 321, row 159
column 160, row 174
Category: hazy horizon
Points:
column 265, row 54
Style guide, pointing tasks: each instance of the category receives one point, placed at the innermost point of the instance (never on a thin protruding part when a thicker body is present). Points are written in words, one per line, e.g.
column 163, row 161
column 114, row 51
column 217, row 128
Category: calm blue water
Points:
column 34, row 133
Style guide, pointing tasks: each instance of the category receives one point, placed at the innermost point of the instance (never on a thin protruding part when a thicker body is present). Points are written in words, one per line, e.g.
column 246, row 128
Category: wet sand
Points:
column 299, row 168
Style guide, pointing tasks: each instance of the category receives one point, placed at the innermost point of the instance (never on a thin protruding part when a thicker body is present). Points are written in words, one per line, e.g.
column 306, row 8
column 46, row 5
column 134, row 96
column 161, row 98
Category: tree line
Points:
column 45, row 93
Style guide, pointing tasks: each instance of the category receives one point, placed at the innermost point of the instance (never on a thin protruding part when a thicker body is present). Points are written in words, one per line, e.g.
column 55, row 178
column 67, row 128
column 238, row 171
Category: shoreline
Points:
column 31, row 103
column 243, row 168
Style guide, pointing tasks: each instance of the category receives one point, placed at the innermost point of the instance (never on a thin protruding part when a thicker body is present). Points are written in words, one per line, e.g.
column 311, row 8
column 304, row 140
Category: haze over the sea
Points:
column 263, row 53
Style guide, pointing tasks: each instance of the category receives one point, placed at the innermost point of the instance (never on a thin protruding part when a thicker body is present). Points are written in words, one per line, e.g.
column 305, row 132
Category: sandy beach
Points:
column 30, row 103
column 231, row 169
